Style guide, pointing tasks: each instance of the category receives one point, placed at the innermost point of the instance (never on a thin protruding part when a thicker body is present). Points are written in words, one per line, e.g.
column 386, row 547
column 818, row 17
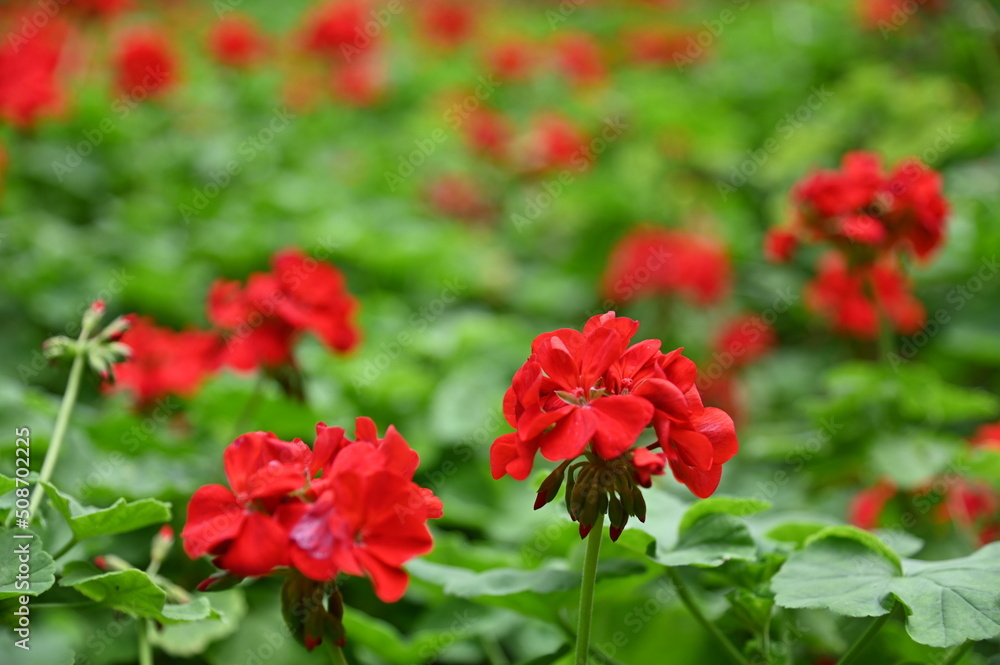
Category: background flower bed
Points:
column 449, row 306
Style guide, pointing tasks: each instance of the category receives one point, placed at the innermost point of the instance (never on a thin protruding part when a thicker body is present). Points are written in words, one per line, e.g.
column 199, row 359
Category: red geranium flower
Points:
column 146, row 64
column 104, row 8
column 337, row 29
column 867, row 505
column 236, row 41
column 866, row 213
column 592, row 394
column 651, row 261
column 855, row 300
column 458, row 196
column 165, row 362
column 554, row 142
column 987, row 436
column 657, row 46
column 488, row 133
column 263, row 320
column 238, row 526
column 579, row 58
column 363, row 515
column 743, row 340
column 381, row 527
column 512, row 60
column 29, row 67
column 447, row 23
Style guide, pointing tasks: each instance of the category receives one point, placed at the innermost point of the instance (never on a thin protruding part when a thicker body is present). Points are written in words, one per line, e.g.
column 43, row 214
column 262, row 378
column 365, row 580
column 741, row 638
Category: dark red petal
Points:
column 213, row 517
column 260, row 547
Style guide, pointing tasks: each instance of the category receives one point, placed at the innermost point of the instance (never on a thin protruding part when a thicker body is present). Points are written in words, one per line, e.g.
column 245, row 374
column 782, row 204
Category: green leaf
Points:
column 130, row 591
column 41, row 573
column 555, row 577
column 866, row 538
column 119, row 517
column 734, row 506
column 795, row 532
column 185, row 640
column 947, row 602
column 710, row 541
column 911, row 459
column 197, row 610
column 838, row 573
column 7, row 484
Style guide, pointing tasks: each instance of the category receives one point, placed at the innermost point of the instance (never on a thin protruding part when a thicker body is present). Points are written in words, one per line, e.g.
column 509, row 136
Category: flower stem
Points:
column 337, row 653
column 862, row 642
column 682, row 592
column 62, row 423
column 587, row 591
column 953, row 656
column 145, row 648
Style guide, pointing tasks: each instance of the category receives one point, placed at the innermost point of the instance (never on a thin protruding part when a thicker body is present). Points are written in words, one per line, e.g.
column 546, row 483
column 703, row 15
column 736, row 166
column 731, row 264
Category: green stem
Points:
column 62, row 423
column 953, row 656
column 587, row 591
column 73, row 542
column 145, row 648
column 337, row 653
column 571, row 634
column 862, row 643
column 682, row 592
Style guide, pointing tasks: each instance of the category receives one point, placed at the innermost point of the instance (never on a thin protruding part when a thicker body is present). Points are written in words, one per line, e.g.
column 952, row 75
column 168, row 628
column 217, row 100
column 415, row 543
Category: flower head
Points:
column 589, row 395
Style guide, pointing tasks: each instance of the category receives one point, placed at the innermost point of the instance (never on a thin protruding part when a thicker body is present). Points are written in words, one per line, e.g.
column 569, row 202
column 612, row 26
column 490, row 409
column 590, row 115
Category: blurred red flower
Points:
column 651, row 261
column 341, row 29
column 512, row 60
column 236, row 41
column 163, row 361
column 29, row 70
column 553, row 142
column 458, row 196
column 657, row 46
column 744, row 339
column 146, row 64
column 447, row 23
column 488, row 133
column 891, row 15
column 579, row 58
column 263, row 320
column 104, row 8
column 854, row 299
column 867, row 213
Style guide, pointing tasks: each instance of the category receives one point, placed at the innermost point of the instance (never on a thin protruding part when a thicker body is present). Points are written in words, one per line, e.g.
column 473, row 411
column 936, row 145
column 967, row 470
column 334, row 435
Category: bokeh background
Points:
column 471, row 167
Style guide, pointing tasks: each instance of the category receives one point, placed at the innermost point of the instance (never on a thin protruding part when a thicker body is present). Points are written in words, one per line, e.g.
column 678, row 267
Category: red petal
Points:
column 260, row 547
column 213, row 517
column 718, row 427
column 619, row 421
column 569, row 437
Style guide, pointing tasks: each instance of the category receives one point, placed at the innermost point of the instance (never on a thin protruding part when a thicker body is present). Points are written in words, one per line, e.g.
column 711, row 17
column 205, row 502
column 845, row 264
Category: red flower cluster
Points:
column 236, row 41
column 146, row 64
column 862, row 210
column 29, row 83
column 255, row 325
column 971, row 505
column 362, row 515
column 870, row 217
column 163, row 361
column 447, row 23
column 263, row 319
column 855, row 301
column 592, row 394
column 651, row 261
